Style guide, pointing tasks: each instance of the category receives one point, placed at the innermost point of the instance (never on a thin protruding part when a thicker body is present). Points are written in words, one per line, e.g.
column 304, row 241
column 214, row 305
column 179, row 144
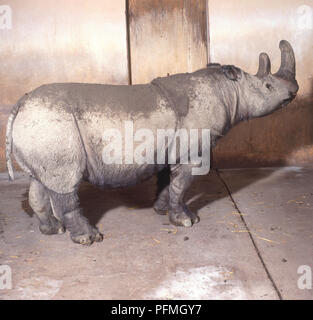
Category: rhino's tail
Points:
column 8, row 140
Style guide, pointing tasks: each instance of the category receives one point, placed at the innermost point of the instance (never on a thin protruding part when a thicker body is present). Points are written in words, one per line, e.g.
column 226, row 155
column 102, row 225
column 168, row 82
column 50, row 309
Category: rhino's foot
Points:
column 98, row 236
column 183, row 217
column 193, row 216
column 88, row 239
column 161, row 207
column 80, row 230
column 53, row 226
column 180, row 218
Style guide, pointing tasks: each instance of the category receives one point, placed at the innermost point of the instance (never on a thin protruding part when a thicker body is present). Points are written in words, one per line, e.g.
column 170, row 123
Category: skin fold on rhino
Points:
column 55, row 133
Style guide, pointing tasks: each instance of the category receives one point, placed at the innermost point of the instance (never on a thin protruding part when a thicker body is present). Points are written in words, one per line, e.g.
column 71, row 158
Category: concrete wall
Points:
column 239, row 31
column 60, row 41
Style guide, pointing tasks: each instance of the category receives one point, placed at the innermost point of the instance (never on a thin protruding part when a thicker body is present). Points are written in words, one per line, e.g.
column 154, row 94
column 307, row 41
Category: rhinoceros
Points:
column 55, row 133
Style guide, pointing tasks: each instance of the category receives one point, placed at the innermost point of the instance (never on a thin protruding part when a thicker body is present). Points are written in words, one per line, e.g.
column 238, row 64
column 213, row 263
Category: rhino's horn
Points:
column 287, row 68
column 264, row 65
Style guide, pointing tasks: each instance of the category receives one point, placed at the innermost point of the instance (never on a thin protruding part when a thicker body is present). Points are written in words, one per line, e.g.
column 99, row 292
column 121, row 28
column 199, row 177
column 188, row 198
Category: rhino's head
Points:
column 265, row 92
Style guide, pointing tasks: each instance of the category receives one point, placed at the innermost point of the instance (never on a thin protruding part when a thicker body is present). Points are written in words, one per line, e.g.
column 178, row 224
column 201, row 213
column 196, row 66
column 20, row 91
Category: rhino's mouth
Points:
column 287, row 101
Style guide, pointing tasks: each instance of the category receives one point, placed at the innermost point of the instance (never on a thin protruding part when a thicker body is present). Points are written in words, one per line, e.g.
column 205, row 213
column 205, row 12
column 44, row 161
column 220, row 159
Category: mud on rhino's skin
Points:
column 55, row 133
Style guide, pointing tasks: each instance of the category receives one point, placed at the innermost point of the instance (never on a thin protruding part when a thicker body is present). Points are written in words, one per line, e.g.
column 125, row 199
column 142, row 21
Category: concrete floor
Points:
column 256, row 229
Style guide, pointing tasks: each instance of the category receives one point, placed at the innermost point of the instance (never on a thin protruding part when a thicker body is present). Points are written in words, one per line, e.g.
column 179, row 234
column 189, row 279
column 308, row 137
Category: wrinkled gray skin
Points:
column 55, row 133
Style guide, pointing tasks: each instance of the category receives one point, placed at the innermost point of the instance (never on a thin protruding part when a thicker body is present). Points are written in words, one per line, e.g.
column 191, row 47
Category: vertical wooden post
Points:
column 166, row 37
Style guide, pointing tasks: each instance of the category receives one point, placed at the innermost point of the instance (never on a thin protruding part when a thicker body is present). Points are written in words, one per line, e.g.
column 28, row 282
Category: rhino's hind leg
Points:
column 66, row 208
column 179, row 213
column 39, row 200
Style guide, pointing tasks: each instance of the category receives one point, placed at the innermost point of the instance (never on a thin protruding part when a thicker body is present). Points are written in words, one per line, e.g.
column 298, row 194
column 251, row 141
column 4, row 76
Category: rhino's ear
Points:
column 264, row 65
column 232, row 72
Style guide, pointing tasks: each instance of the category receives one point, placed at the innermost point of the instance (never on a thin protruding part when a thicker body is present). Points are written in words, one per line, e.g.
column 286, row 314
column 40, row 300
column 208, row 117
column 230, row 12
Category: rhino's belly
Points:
column 106, row 135
column 114, row 175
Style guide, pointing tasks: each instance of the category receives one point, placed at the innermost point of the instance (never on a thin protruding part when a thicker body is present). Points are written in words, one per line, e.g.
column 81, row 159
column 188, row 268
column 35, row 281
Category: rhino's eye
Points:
column 269, row 86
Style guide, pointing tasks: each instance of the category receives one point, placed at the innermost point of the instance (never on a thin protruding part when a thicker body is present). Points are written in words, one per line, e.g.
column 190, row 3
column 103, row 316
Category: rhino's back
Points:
column 89, row 97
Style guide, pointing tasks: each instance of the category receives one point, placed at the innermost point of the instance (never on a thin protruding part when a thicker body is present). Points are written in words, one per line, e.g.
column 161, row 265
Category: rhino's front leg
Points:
column 181, row 179
column 66, row 208
column 162, row 205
